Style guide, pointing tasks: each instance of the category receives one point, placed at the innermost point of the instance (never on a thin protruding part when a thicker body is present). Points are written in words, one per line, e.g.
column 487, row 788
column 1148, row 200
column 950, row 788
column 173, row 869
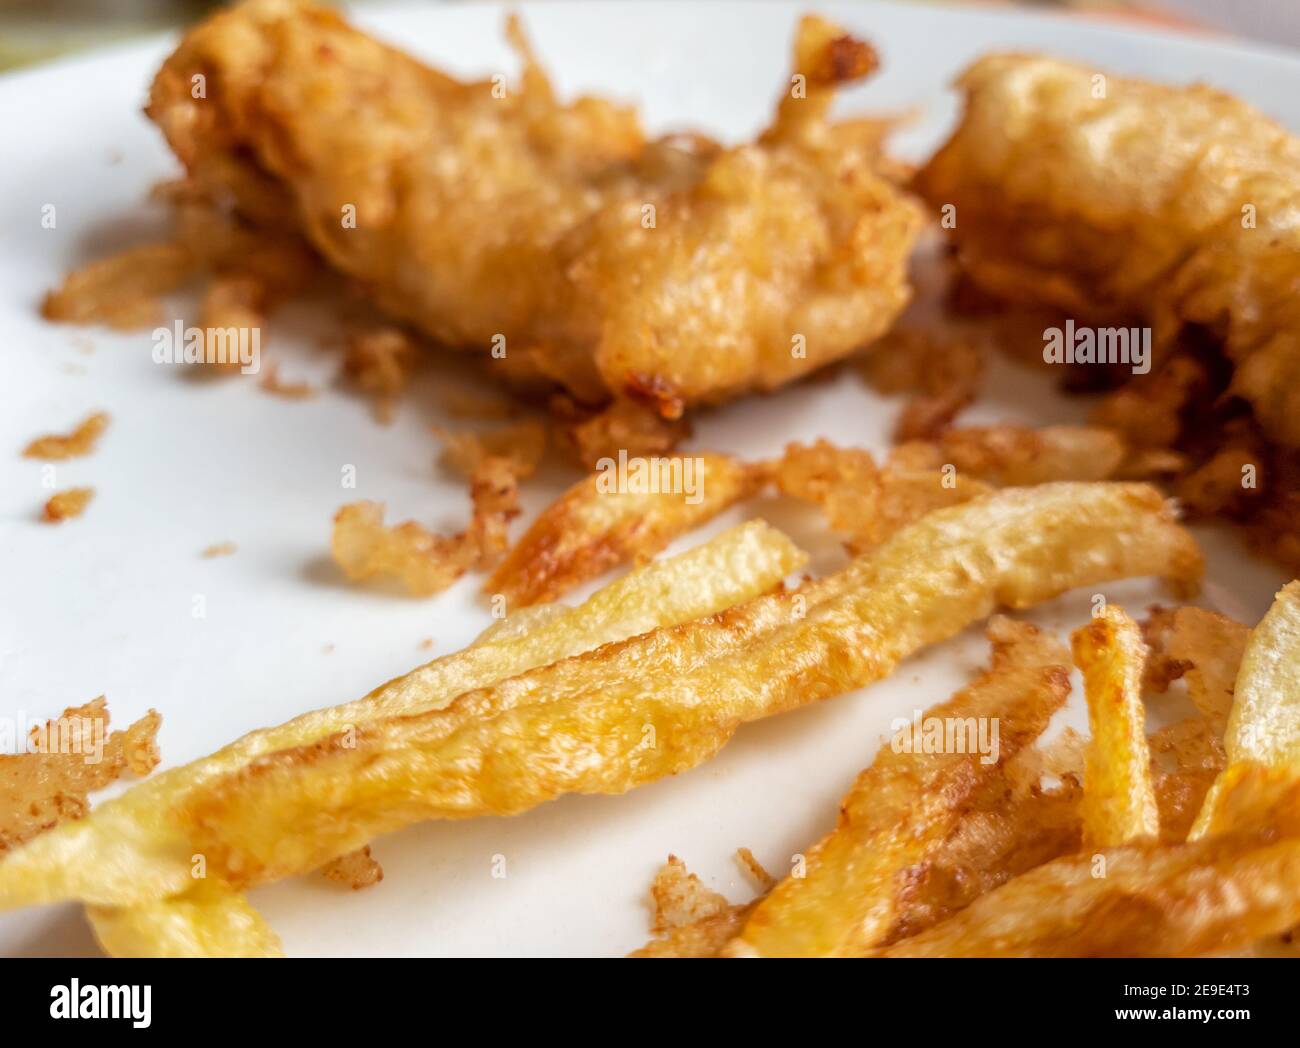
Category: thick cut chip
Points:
column 1153, row 900
column 131, row 850
column 902, row 808
column 1264, row 725
column 629, row 508
column 1119, row 803
column 656, row 705
column 207, row 921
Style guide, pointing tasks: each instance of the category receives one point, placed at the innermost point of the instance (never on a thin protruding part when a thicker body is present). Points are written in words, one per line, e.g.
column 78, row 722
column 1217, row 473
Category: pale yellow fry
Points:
column 132, row 849
column 1119, row 800
column 206, row 922
column 595, row 526
column 1264, row 725
column 657, row 705
column 903, row 807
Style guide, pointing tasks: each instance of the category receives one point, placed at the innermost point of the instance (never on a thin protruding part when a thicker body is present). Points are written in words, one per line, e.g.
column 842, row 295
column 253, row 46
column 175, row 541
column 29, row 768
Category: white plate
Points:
column 104, row 604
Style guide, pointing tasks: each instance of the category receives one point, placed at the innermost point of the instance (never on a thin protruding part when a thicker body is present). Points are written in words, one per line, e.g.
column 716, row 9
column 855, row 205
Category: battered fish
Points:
column 555, row 236
column 1103, row 195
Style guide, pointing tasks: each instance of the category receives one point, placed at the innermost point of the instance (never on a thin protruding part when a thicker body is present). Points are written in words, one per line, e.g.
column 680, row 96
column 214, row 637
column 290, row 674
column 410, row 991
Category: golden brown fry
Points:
column 1119, row 803
column 81, row 441
column 861, row 500
column 1006, row 832
column 1147, row 899
column 903, row 807
column 628, row 509
column 658, row 704
column 594, row 258
column 1264, row 725
column 130, row 851
column 122, row 290
column 64, row 505
column 1018, row 455
column 64, row 761
column 207, row 921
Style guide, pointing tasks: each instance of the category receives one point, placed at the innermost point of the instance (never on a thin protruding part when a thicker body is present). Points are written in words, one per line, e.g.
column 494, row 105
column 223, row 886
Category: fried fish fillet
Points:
column 1098, row 194
column 557, row 236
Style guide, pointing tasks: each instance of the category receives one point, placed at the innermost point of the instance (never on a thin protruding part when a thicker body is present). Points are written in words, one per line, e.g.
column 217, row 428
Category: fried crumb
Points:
column 357, row 869
column 426, row 644
column 680, row 898
column 624, row 424
column 220, row 549
column 66, row 759
column 427, row 562
column 122, row 290
column 81, row 441
column 380, row 361
column 521, row 445
column 865, row 502
column 763, row 880
column 327, row 649
column 64, row 505
column 271, row 383
column 941, row 371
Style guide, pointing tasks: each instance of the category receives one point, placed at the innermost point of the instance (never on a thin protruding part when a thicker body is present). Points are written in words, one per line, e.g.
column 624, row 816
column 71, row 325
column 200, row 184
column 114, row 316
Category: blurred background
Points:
column 36, row 30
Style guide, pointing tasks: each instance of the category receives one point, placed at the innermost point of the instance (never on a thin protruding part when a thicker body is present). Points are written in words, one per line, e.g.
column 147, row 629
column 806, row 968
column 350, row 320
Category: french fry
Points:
column 137, row 838
column 1154, row 900
column 594, row 526
column 1264, row 725
column 656, row 705
column 208, row 921
column 1018, row 455
column 907, row 803
column 1119, row 801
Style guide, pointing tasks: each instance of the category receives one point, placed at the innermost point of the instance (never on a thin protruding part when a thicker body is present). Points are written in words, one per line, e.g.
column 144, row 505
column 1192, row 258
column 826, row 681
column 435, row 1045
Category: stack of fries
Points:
column 935, row 852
